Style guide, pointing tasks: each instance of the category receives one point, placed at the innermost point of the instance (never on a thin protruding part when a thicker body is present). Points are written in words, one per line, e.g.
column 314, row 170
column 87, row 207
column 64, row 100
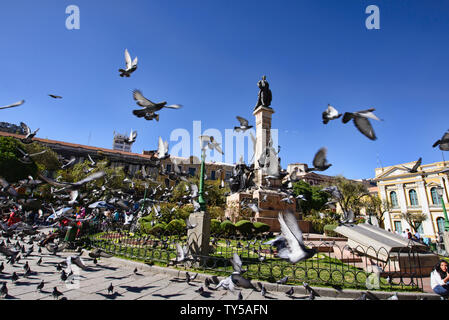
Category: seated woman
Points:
column 439, row 278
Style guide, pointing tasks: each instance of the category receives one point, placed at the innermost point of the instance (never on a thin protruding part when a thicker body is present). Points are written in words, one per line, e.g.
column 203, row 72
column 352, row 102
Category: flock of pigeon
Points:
column 67, row 195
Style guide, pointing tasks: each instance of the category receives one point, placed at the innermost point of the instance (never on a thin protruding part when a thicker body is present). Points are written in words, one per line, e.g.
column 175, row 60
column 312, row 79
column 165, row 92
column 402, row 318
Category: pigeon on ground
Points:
column 40, row 286
column 310, row 290
column 4, row 290
column 263, row 291
column 283, row 280
column 110, row 289
column 56, row 293
column 290, row 292
column 131, row 66
column 394, row 297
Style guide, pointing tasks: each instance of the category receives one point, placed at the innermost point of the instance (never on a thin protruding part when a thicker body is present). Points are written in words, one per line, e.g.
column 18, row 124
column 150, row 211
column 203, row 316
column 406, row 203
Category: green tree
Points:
column 352, row 193
column 315, row 199
column 10, row 167
column 414, row 219
column 375, row 206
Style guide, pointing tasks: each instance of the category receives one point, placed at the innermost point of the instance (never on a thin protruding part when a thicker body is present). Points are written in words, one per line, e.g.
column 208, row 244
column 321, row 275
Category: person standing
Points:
column 409, row 234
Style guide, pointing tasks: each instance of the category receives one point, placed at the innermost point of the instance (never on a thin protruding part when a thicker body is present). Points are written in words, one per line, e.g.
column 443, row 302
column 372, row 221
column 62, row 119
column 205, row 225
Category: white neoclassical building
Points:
column 418, row 192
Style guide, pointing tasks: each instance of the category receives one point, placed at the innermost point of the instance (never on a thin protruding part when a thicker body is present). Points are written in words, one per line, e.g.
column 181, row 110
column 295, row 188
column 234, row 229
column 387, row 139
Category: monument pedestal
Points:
column 268, row 210
column 198, row 238
column 446, row 241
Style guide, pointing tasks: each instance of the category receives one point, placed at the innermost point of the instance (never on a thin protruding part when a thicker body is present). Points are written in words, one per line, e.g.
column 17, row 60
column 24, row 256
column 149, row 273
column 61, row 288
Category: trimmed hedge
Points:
column 260, row 227
column 176, row 226
column 245, row 227
column 215, row 226
column 145, row 226
column 158, row 228
column 227, row 227
column 329, row 230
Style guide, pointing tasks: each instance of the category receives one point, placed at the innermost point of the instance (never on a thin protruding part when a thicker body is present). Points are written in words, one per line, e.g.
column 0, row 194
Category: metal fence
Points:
column 335, row 264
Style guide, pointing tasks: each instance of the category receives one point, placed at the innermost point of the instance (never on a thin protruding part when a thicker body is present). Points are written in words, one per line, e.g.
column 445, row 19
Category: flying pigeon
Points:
column 209, row 142
column 132, row 137
column 131, row 66
column 414, row 169
column 149, row 107
column 29, row 135
column 361, row 121
column 319, row 161
column 243, row 125
column 16, row 104
column 443, row 142
column 330, row 114
column 55, row 96
column 162, row 150
column 296, row 250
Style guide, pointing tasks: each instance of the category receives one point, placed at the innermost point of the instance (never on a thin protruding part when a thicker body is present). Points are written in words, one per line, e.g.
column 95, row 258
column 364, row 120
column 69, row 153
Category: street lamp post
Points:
column 446, row 220
column 201, row 200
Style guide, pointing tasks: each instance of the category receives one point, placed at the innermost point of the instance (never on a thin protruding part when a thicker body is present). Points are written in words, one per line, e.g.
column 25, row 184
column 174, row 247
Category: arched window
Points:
column 413, row 197
column 435, row 197
column 394, row 199
column 440, row 224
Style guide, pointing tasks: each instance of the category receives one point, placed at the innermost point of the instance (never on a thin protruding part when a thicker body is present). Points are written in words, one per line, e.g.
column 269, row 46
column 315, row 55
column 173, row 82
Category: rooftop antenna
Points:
column 88, row 139
column 379, row 163
column 442, row 154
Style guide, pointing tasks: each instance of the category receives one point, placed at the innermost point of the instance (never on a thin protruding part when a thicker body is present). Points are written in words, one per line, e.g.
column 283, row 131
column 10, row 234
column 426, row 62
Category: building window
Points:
column 435, row 197
column 413, row 197
column 212, row 175
column 394, row 199
column 440, row 224
column 228, row 175
column 398, row 226
column 192, row 171
column 168, row 167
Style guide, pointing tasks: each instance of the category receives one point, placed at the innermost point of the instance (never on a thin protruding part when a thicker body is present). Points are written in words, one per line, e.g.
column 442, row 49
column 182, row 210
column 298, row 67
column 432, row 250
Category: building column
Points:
column 402, row 197
column 388, row 223
column 444, row 185
column 427, row 225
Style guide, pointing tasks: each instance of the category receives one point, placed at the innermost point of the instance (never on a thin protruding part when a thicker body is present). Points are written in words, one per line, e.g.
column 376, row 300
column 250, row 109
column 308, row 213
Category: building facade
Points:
column 414, row 193
column 120, row 142
column 133, row 162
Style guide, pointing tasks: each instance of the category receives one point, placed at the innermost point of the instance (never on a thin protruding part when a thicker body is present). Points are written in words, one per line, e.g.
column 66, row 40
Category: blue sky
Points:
column 208, row 56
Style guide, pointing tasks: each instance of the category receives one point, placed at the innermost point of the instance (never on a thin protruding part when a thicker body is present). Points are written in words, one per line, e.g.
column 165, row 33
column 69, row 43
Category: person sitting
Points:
column 439, row 278
column 14, row 217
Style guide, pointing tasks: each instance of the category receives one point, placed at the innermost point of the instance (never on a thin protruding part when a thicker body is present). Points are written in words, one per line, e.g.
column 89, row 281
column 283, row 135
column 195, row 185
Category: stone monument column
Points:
column 263, row 135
